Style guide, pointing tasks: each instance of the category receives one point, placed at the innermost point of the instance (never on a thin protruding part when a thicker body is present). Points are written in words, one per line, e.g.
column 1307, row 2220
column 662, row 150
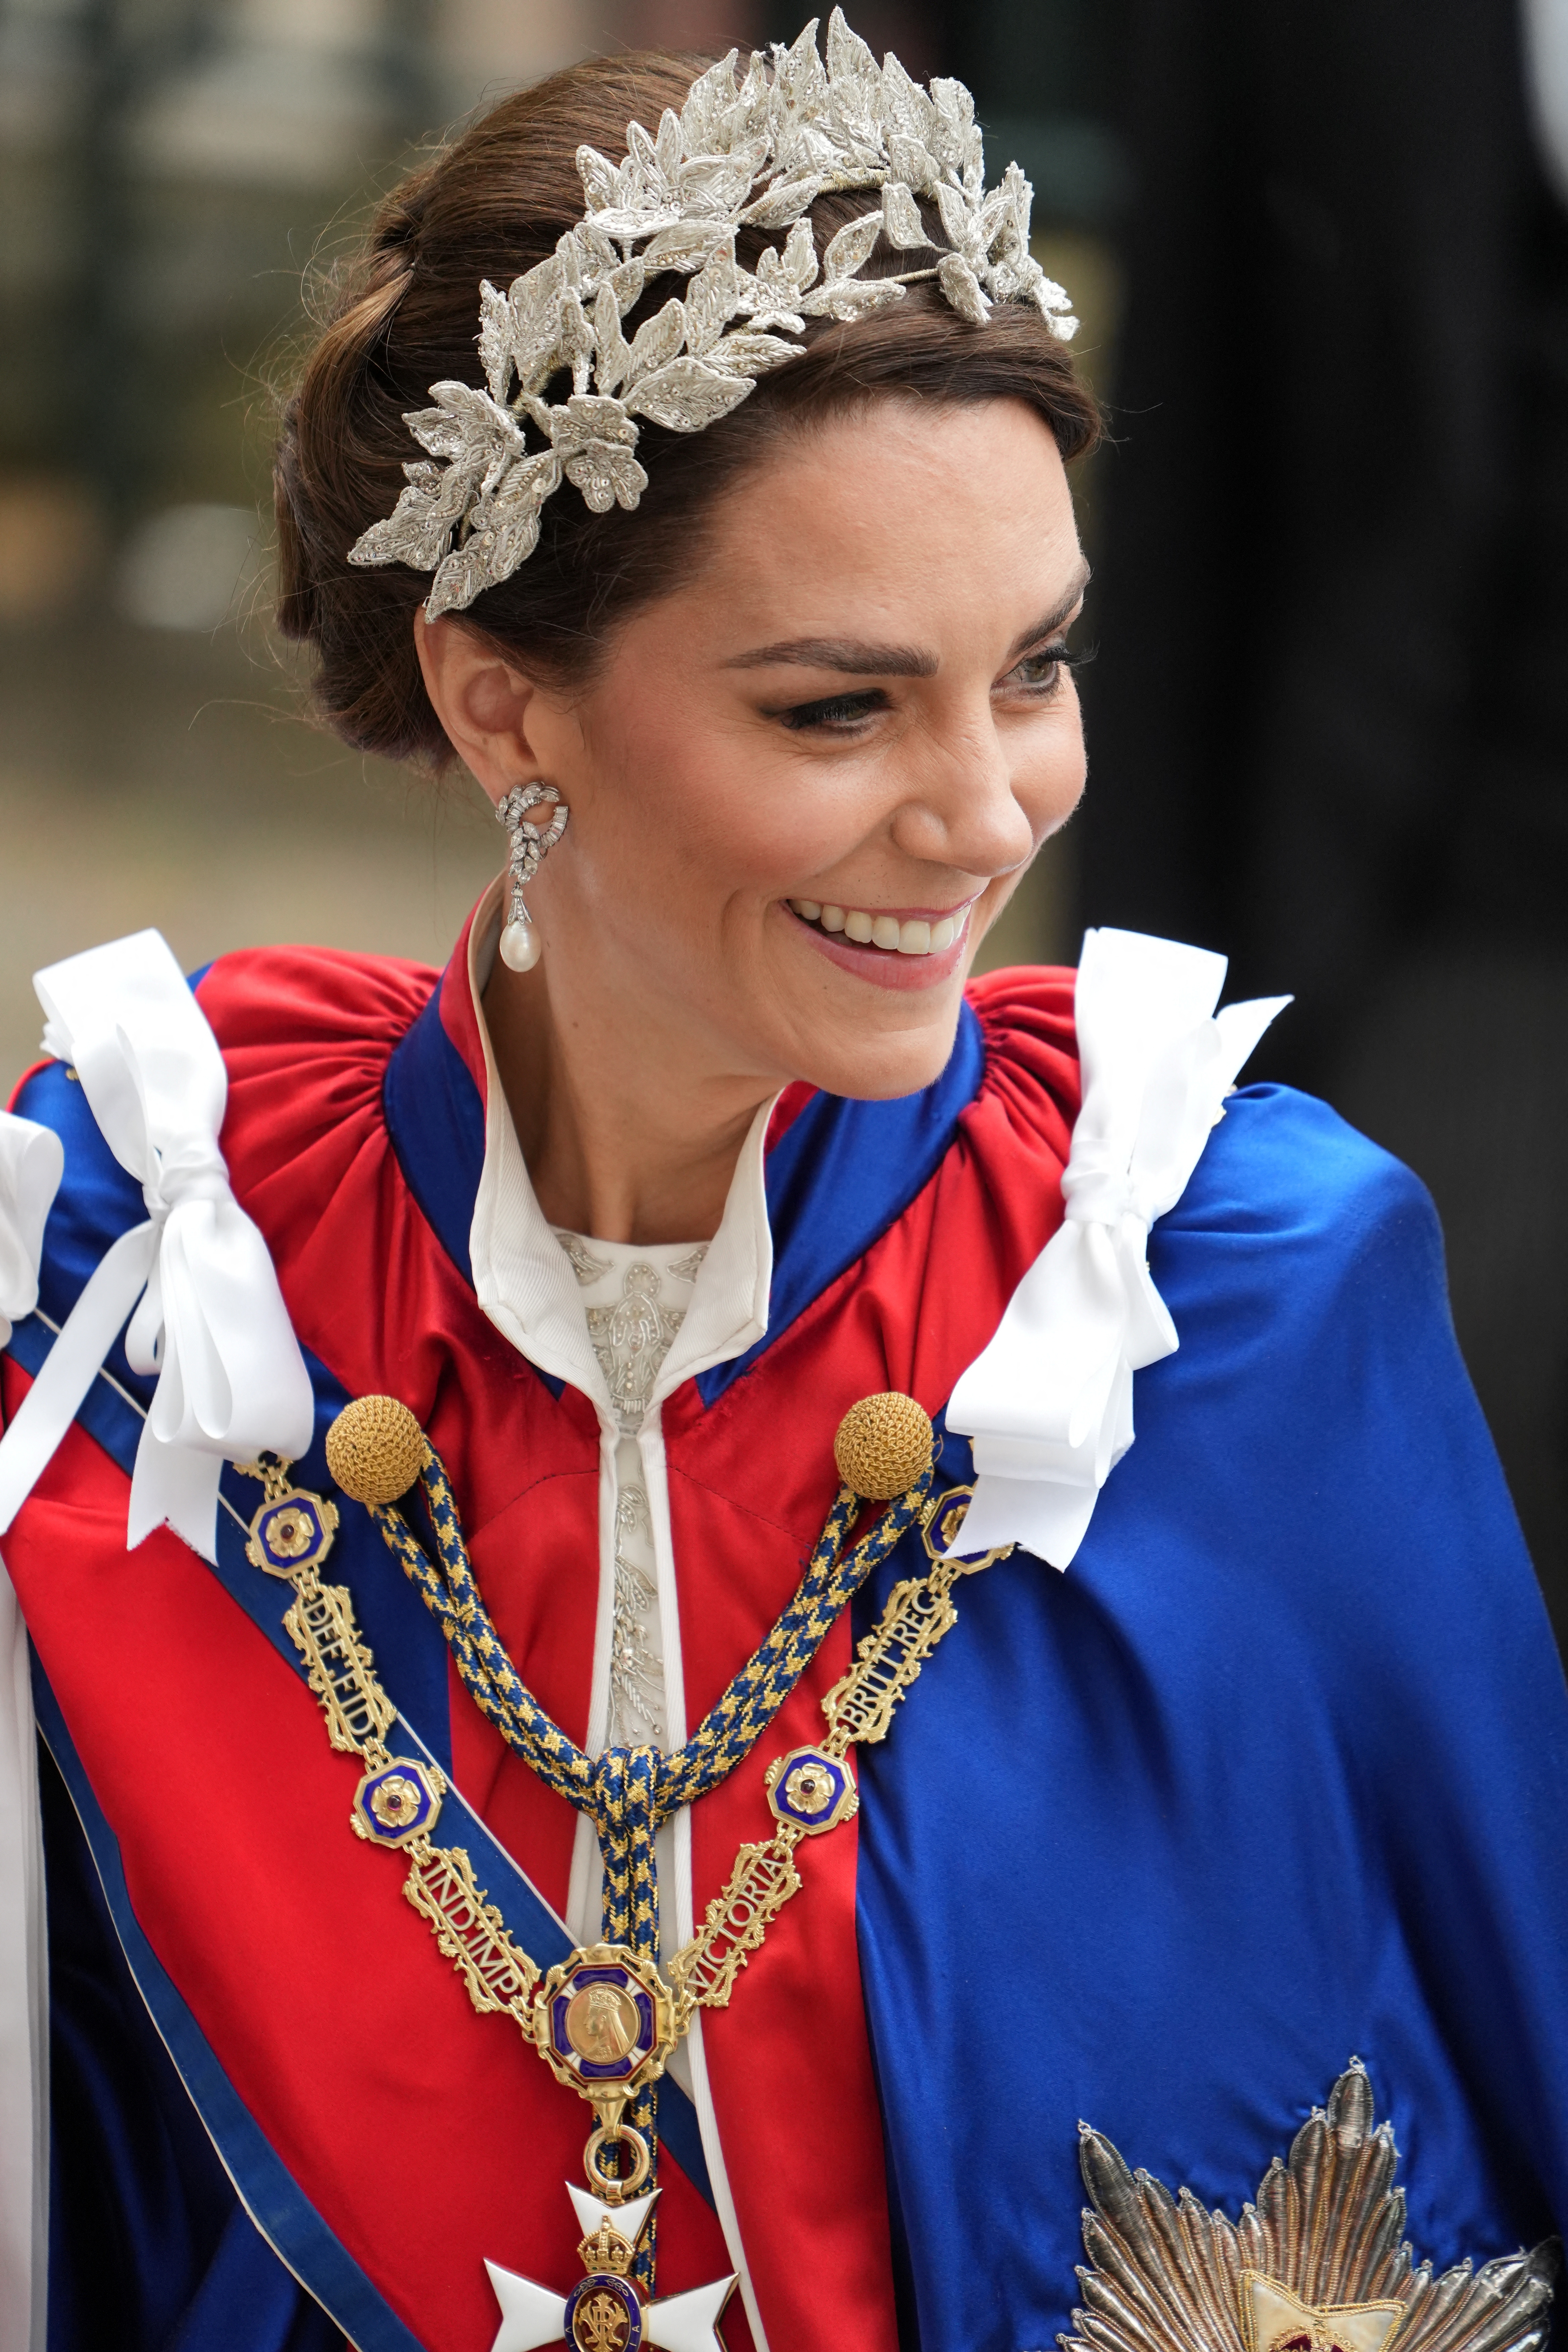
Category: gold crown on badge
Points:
column 788, row 130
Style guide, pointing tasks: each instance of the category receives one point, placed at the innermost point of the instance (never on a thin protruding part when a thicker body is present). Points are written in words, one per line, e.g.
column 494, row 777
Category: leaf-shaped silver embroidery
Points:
column 687, row 246
column 606, row 477
column 783, row 204
column 686, row 396
column 958, row 222
column 901, row 222
column 852, row 246
column 460, row 576
column 613, row 355
column 463, row 423
column 657, row 338
column 495, row 338
column 419, row 526
column 755, row 151
column 712, row 301
column 962, row 288
column 641, row 220
column 849, row 58
column 951, row 99
column 597, row 174
column 668, row 146
column 750, row 354
column 851, row 298
column 717, row 185
column 588, row 418
column 534, row 301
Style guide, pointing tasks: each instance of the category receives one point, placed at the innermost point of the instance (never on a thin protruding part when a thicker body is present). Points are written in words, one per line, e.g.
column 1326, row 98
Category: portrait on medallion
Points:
column 723, row 1629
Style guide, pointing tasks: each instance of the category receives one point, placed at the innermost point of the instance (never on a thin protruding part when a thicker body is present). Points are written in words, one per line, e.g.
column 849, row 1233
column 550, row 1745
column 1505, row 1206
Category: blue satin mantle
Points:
column 1275, row 1774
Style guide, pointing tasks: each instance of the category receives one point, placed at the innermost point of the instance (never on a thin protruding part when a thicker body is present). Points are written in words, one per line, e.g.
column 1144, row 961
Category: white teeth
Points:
column 913, row 938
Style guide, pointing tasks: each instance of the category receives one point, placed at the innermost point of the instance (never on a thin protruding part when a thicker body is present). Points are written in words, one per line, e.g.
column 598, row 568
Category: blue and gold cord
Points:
column 627, row 1792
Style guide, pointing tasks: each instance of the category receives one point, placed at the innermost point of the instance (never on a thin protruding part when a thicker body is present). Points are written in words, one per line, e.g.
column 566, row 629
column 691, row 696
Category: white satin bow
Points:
column 31, row 1165
column 1048, row 1402
column 209, row 1318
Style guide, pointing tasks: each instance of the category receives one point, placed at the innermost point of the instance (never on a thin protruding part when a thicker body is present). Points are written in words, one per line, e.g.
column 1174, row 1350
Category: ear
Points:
column 482, row 701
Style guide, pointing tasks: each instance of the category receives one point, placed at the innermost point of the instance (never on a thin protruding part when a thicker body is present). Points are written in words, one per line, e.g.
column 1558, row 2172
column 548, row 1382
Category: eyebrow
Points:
column 851, row 655
column 1054, row 619
column 855, row 658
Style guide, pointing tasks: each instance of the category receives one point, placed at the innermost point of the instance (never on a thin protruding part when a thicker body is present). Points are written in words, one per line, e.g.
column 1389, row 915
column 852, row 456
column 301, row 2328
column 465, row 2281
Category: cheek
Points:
column 1049, row 777
column 707, row 811
column 678, row 809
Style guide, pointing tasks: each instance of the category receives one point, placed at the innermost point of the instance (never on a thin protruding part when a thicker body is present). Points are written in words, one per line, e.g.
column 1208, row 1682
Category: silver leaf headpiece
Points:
column 674, row 205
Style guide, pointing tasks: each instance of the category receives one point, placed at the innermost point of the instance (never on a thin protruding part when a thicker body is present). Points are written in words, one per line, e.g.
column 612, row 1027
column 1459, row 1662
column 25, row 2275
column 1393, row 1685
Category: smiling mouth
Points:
column 911, row 936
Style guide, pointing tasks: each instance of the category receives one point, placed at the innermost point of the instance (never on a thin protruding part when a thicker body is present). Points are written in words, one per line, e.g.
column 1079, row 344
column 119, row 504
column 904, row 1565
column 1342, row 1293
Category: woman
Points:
column 741, row 587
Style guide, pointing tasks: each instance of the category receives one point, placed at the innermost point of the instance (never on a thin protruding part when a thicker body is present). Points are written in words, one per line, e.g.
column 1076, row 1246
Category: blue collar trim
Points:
column 837, row 1179
column 841, row 1175
column 436, row 1117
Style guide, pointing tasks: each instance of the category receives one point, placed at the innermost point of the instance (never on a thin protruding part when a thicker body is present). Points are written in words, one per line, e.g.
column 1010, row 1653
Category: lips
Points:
column 870, row 943
column 895, row 935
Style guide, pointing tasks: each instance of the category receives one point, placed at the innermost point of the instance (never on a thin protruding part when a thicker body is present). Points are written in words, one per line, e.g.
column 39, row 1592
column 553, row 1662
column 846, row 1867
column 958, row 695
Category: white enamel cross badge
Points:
column 604, row 2311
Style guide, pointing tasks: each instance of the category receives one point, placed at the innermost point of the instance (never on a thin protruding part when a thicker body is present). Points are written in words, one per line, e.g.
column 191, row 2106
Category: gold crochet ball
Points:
column 376, row 1449
column 883, row 1444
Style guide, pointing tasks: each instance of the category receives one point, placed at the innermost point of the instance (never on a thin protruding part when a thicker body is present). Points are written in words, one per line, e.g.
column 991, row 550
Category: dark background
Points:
column 1323, row 273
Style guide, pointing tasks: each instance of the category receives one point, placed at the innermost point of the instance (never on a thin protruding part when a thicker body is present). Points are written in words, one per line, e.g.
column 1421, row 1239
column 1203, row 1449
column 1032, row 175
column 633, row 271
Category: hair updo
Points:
column 405, row 315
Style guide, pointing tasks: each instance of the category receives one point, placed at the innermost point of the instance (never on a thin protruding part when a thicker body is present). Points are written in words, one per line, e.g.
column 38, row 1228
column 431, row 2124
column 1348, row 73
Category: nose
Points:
column 960, row 808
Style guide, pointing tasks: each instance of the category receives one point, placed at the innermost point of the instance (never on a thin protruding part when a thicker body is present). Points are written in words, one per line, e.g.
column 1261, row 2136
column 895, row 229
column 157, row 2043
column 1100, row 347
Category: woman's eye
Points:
column 1041, row 672
column 839, row 710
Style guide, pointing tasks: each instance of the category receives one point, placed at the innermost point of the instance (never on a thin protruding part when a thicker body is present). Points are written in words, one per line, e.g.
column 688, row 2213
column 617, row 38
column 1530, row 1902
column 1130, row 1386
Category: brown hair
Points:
column 405, row 315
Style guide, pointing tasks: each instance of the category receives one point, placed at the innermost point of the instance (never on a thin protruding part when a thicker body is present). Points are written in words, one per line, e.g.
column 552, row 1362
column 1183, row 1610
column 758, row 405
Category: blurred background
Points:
column 1322, row 255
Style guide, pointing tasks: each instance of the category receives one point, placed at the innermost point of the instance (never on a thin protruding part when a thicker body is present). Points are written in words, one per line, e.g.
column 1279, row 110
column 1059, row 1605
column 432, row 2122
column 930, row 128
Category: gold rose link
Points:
column 470, row 1932
column 320, row 1625
column 860, row 1706
column 764, row 1879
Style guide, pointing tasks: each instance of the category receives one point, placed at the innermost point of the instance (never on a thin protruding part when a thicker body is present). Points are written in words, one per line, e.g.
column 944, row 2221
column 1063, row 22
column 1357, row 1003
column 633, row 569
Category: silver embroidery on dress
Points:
column 584, row 1265
column 637, row 1673
column 631, row 1340
column 632, row 1333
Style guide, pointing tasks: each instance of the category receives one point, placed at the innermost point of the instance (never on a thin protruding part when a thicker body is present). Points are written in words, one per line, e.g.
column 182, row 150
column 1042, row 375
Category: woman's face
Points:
column 809, row 779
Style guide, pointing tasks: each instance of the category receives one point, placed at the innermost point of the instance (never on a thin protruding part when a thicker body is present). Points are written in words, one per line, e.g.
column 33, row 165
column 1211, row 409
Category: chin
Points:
column 876, row 1064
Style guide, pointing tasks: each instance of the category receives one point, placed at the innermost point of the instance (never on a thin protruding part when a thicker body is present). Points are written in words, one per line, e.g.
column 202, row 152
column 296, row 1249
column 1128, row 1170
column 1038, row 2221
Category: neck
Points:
column 624, row 1140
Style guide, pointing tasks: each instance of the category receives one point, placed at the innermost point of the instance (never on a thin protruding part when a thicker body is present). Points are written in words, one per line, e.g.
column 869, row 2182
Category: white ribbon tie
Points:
column 32, row 1162
column 208, row 1318
column 1048, row 1402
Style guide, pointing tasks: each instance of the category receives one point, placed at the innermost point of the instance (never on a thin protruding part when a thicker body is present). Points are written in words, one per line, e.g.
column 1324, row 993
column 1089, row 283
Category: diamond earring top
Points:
column 788, row 128
column 530, row 845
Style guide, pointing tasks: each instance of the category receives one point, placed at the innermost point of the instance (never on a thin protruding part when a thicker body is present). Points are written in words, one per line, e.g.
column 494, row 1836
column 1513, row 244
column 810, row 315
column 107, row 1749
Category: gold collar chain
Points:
column 604, row 2020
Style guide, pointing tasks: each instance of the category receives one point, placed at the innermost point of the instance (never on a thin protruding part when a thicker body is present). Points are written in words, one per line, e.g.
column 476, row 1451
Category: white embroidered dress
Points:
column 636, row 1296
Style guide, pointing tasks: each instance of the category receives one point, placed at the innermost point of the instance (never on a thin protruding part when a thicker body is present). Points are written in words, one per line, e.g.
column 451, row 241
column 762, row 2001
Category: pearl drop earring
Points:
column 530, row 845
